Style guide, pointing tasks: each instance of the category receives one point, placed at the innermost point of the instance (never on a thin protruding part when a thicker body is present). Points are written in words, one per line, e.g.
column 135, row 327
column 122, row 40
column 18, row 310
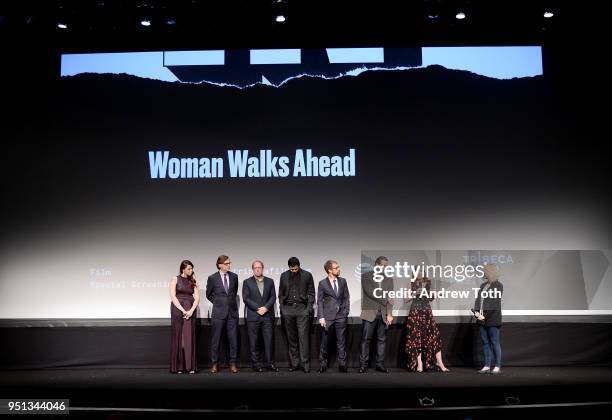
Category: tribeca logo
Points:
column 488, row 259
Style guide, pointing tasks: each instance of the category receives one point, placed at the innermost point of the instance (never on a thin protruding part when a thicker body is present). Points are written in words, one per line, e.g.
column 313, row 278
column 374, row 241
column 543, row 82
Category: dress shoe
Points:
column 306, row 369
column 272, row 368
column 322, row 369
column 258, row 369
column 214, row 368
column 382, row 369
column 362, row 369
column 233, row 368
column 342, row 369
column 293, row 368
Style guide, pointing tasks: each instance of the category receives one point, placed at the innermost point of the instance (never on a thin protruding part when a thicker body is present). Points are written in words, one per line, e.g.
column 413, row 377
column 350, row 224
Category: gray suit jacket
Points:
column 371, row 304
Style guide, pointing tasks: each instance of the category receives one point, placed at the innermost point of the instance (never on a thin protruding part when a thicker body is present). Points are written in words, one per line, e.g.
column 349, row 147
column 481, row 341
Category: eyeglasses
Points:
column 336, row 267
column 226, row 263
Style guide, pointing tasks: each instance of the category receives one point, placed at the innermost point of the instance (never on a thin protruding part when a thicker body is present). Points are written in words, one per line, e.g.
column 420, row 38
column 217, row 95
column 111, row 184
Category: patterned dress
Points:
column 422, row 335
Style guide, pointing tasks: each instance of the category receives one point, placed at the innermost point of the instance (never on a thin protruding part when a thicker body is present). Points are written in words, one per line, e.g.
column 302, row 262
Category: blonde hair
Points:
column 491, row 272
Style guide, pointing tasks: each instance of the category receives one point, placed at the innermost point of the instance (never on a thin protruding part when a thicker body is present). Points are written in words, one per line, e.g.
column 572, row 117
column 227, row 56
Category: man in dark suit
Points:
column 333, row 305
column 376, row 313
column 259, row 297
column 221, row 290
column 296, row 297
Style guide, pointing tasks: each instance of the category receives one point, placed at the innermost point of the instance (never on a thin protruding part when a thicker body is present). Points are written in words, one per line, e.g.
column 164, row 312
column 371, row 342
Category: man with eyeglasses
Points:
column 333, row 305
column 296, row 297
column 259, row 296
column 221, row 290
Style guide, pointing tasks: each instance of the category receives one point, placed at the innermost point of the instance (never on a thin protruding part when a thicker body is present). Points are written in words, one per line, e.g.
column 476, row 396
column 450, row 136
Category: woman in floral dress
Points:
column 423, row 343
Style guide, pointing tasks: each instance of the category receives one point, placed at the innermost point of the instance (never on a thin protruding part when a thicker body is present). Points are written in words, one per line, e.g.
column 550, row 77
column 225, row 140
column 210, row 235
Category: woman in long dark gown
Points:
column 423, row 343
column 185, row 296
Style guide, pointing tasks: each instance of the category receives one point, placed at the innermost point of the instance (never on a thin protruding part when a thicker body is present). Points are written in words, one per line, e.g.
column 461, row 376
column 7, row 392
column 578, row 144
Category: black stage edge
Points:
column 119, row 369
column 129, row 345
column 462, row 393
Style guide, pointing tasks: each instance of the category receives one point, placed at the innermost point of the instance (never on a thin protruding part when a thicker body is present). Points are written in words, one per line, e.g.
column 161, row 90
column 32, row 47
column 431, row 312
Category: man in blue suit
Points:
column 333, row 305
column 221, row 290
column 259, row 297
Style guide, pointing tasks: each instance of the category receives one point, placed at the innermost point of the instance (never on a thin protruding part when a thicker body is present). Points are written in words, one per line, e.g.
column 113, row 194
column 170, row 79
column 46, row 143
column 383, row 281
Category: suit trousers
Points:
column 339, row 326
column 265, row 328
column 230, row 325
column 379, row 328
column 297, row 327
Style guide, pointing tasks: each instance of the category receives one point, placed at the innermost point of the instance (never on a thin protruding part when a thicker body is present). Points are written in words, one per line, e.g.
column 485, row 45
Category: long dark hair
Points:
column 424, row 282
column 191, row 278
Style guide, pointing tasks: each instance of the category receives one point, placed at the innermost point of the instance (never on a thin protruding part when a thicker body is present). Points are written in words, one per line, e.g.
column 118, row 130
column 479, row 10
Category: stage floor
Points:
column 459, row 377
column 145, row 390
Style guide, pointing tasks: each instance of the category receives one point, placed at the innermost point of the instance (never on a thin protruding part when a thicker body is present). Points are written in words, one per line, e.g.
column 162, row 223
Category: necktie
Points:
column 225, row 285
column 335, row 287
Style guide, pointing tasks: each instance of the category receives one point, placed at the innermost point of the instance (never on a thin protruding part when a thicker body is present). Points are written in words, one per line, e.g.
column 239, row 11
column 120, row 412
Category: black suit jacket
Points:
column 224, row 304
column 253, row 299
column 370, row 304
column 329, row 305
column 306, row 290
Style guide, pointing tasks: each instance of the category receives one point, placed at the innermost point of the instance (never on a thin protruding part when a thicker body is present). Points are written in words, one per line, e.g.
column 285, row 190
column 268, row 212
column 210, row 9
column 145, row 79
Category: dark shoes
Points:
column 233, row 368
column 343, row 369
column 293, row 368
column 306, row 369
column 322, row 369
column 258, row 369
column 272, row 368
column 382, row 369
column 362, row 369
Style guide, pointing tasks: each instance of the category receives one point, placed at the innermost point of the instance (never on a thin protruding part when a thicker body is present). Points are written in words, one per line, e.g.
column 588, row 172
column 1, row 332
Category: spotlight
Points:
column 145, row 22
column 279, row 10
column 460, row 16
column 432, row 9
column 62, row 25
column 548, row 14
column 170, row 22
